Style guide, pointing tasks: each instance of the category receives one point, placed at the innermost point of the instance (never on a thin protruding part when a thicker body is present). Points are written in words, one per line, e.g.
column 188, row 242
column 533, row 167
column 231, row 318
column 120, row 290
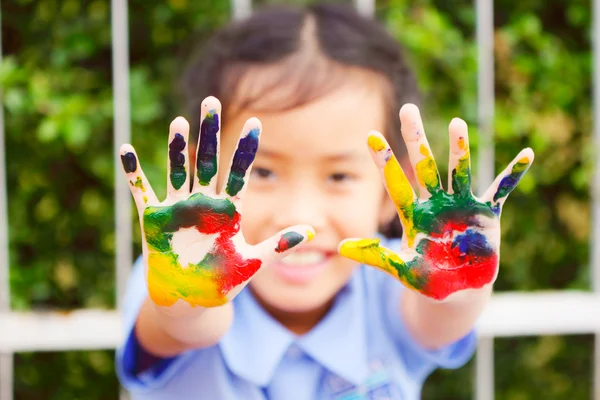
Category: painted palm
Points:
column 193, row 248
column 451, row 238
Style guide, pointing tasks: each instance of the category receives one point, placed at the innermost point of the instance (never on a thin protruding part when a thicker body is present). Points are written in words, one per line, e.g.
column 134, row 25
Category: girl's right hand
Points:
column 194, row 251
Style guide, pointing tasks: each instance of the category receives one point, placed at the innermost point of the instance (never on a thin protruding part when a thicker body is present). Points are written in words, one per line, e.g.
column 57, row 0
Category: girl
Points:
column 314, row 321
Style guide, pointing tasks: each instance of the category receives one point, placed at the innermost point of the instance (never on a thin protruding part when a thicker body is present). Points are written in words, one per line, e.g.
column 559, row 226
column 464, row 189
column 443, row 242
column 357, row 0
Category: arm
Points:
column 195, row 257
column 436, row 324
column 450, row 251
column 165, row 335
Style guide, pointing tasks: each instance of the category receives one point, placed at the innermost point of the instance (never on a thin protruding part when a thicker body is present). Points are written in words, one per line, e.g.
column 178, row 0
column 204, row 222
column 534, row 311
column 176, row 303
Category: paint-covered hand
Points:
column 451, row 238
column 193, row 248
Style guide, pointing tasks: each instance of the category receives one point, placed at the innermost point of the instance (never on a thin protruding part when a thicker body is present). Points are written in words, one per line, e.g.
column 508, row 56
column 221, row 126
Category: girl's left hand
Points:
column 451, row 240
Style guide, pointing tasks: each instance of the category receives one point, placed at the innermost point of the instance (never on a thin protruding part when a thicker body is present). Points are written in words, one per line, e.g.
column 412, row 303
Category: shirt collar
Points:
column 255, row 344
column 339, row 341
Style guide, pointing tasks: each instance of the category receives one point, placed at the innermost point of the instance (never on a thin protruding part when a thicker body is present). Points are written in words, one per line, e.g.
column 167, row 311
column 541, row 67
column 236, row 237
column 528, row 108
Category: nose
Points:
column 302, row 205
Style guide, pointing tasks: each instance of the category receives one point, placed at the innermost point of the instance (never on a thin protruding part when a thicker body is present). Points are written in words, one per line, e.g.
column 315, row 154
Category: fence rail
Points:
column 508, row 314
column 550, row 313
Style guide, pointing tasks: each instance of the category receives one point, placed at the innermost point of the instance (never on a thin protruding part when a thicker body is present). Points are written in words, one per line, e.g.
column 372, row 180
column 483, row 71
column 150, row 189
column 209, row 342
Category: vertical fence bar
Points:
column 241, row 8
column 485, row 92
column 484, row 374
column 365, row 7
column 595, row 190
column 6, row 376
column 484, row 369
column 6, row 359
column 122, row 134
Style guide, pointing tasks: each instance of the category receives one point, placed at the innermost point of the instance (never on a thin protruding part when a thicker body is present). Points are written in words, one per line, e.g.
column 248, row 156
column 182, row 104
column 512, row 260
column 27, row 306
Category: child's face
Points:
column 313, row 167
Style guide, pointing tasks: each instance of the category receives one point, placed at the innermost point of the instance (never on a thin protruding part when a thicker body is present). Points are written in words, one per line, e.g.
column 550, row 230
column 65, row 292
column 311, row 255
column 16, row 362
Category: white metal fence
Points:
column 509, row 314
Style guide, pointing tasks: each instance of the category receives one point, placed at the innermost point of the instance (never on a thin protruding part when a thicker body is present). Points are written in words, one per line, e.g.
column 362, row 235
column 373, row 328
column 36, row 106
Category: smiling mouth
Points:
column 303, row 258
column 302, row 266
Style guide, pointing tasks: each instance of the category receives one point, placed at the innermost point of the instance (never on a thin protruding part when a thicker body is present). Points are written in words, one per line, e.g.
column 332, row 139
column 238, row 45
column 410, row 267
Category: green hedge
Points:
column 57, row 82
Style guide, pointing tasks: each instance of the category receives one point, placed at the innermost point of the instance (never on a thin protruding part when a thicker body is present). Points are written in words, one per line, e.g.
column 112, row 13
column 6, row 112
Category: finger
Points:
column 207, row 158
column 419, row 151
column 241, row 164
column 459, row 164
column 178, row 165
column 508, row 179
column 141, row 190
column 397, row 184
column 369, row 251
column 281, row 244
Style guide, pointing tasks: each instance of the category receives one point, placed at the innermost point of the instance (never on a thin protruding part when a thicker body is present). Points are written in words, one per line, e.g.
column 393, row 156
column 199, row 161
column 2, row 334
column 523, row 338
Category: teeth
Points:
column 304, row 258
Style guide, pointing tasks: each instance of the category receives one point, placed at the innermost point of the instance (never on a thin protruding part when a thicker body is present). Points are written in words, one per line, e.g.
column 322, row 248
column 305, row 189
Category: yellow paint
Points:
column 461, row 143
column 375, row 143
column 145, row 199
column 520, row 165
column 367, row 251
column 310, row 235
column 398, row 187
column 168, row 282
column 138, row 184
column 401, row 193
column 462, row 169
column 427, row 170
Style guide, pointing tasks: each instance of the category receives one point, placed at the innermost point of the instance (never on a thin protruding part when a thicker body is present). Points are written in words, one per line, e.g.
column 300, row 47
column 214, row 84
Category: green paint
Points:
column 234, row 184
column 155, row 219
column 427, row 171
column 413, row 272
column 461, row 177
column 242, row 160
column 178, row 177
column 508, row 183
column 208, row 214
column 138, row 184
column 288, row 240
column 178, row 173
column 207, row 171
column 430, row 216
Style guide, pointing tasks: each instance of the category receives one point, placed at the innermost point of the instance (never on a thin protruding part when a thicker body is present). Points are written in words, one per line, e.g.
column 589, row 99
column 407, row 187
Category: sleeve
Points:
column 137, row 369
column 418, row 359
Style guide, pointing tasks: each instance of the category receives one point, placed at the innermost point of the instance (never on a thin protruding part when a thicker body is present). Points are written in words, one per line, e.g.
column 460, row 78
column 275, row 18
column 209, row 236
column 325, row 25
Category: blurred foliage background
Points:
column 57, row 82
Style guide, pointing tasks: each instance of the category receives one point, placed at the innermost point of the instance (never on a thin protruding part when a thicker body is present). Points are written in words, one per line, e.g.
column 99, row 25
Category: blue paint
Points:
column 473, row 243
column 243, row 158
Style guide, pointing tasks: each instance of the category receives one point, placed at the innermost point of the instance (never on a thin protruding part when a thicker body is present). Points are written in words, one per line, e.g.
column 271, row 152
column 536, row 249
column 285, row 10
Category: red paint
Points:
column 287, row 241
column 449, row 271
column 449, row 229
column 233, row 269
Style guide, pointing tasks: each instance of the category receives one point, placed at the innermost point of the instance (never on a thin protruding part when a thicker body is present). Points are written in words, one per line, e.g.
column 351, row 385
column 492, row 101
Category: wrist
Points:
column 468, row 296
column 193, row 327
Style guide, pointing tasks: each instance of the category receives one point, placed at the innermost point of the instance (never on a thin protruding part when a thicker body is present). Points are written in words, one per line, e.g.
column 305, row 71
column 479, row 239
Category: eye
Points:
column 262, row 173
column 340, row 177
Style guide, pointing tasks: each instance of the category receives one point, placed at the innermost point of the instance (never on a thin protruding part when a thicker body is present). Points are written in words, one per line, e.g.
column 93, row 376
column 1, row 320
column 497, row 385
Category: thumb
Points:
column 369, row 251
column 283, row 243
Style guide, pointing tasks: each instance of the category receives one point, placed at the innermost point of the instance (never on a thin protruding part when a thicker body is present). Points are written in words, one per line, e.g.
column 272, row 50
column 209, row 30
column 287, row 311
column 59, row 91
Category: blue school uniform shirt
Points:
column 360, row 350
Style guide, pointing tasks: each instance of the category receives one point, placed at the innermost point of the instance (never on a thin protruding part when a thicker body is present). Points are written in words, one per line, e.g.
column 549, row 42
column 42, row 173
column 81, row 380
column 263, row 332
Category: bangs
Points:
column 293, row 81
column 287, row 84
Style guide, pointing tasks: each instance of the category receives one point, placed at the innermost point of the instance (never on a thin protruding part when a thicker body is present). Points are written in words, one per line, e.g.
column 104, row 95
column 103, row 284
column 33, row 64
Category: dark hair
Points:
column 315, row 42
